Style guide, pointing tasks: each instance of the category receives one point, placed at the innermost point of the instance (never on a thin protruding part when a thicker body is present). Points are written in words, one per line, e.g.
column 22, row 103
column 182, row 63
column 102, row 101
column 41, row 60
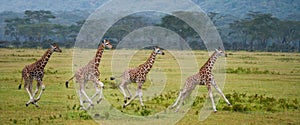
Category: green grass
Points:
column 263, row 88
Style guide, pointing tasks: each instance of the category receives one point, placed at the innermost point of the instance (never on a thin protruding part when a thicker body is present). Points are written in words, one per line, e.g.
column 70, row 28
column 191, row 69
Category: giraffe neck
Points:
column 210, row 62
column 149, row 63
column 45, row 58
column 99, row 55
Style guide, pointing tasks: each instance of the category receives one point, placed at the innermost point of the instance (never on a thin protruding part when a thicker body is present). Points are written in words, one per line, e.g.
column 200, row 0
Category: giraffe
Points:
column 137, row 75
column 90, row 72
column 36, row 71
column 203, row 77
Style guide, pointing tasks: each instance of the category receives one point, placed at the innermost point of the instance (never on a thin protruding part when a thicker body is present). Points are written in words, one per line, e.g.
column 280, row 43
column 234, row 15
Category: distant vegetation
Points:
column 255, row 32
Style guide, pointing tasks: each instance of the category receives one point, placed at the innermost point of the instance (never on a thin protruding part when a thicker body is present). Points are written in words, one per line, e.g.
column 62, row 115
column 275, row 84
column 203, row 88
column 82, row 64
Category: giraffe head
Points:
column 158, row 50
column 55, row 48
column 220, row 52
column 106, row 44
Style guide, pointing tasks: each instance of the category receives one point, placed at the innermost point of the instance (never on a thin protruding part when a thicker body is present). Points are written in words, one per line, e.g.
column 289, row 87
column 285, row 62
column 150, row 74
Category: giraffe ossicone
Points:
column 90, row 72
column 203, row 77
column 36, row 71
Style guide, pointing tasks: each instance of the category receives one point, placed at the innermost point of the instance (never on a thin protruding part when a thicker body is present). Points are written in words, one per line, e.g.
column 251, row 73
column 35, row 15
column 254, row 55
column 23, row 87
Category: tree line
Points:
column 35, row 30
column 256, row 32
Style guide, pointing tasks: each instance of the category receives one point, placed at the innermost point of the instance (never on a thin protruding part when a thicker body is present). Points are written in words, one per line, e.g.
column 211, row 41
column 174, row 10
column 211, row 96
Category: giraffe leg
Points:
column 87, row 97
column 43, row 89
column 130, row 95
column 28, row 87
column 121, row 86
column 140, row 93
column 184, row 95
column 98, row 91
column 179, row 96
column 101, row 94
column 126, row 104
column 211, row 98
column 80, row 100
column 30, row 96
column 81, row 86
column 36, row 89
column 220, row 91
column 89, row 100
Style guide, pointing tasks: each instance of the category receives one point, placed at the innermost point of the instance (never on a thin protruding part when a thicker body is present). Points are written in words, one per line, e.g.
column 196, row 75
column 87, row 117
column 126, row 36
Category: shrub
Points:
column 241, row 70
column 243, row 103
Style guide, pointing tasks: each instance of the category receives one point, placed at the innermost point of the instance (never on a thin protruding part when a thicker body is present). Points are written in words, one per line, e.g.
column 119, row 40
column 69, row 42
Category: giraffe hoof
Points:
column 128, row 98
column 125, row 101
column 36, row 100
column 112, row 78
column 27, row 105
column 124, row 106
column 215, row 111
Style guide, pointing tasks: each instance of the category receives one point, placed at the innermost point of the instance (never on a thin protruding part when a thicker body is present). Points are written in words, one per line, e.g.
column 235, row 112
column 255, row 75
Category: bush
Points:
column 241, row 70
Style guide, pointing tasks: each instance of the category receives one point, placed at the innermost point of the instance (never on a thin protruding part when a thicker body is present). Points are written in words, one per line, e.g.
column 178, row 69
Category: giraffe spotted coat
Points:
column 36, row 71
column 203, row 77
column 137, row 75
column 90, row 72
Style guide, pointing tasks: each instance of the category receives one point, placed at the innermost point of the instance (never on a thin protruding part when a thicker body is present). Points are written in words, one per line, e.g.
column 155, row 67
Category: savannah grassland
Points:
column 263, row 87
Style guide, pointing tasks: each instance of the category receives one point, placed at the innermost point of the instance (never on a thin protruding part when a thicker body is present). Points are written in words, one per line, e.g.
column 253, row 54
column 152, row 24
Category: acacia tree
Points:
column 261, row 27
column 287, row 35
column 266, row 33
column 179, row 26
column 11, row 28
column 183, row 29
column 126, row 25
column 40, row 16
column 255, row 30
column 240, row 36
column 34, row 27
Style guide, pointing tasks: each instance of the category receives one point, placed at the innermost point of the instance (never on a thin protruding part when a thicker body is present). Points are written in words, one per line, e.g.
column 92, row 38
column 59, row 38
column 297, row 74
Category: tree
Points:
column 287, row 35
column 179, row 26
column 183, row 29
column 257, row 29
column 35, row 26
column 126, row 25
column 40, row 16
column 11, row 28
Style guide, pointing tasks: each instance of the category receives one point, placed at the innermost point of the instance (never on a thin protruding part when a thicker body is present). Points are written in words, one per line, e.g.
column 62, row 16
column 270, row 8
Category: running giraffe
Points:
column 90, row 72
column 203, row 77
column 36, row 71
column 137, row 75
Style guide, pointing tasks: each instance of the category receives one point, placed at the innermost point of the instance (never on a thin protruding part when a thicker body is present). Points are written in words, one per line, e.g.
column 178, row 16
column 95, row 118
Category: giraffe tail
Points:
column 67, row 82
column 113, row 78
column 20, row 85
column 24, row 75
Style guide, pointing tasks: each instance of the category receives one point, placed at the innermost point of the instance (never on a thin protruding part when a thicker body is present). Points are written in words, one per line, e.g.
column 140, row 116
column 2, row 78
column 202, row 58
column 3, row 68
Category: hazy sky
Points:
column 279, row 8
